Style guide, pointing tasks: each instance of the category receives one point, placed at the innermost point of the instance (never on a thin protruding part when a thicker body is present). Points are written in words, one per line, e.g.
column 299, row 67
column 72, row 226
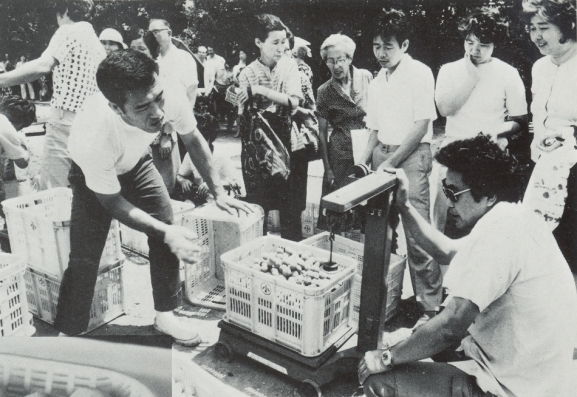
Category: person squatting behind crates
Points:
column 72, row 56
column 15, row 114
column 112, row 175
column 508, row 327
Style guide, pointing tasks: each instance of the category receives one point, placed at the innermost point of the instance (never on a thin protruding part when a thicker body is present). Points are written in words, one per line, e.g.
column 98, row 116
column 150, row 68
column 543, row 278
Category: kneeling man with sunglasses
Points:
column 508, row 325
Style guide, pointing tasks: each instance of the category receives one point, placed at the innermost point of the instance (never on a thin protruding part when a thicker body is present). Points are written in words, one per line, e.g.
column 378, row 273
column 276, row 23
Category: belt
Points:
column 391, row 148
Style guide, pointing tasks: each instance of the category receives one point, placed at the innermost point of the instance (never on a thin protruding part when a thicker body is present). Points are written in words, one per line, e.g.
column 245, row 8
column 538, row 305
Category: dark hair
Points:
column 123, row 71
column 302, row 52
column 78, row 10
column 291, row 39
column 560, row 13
column 263, row 24
column 486, row 24
column 151, row 43
column 392, row 23
column 484, row 167
column 20, row 112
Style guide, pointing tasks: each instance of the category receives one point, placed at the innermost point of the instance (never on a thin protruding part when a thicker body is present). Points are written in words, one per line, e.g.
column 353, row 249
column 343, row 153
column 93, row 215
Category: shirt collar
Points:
column 400, row 70
column 354, row 78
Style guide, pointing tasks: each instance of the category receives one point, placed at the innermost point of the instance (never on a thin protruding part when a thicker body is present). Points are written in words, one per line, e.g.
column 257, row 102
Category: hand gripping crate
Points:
column 14, row 317
column 21, row 376
column 204, row 284
column 305, row 319
column 39, row 230
column 355, row 250
column 107, row 304
column 136, row 241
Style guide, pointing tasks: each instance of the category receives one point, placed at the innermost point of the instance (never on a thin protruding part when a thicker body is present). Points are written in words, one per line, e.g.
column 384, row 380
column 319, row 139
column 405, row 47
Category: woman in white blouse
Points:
column 551, row 25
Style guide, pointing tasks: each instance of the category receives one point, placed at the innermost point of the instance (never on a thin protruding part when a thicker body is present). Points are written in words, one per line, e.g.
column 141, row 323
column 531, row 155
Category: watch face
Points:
column 386, row 358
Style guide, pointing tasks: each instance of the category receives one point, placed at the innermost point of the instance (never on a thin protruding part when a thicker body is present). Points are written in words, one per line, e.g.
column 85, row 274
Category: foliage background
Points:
column 26, row 26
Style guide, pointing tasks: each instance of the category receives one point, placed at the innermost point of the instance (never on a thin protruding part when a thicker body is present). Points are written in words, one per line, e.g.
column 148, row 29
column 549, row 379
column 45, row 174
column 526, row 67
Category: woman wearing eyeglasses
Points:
column 552, row 190
column 341, row 102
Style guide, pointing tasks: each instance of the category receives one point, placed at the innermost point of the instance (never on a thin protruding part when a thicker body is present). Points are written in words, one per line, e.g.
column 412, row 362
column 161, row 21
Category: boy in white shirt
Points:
column 400, row 113
column 112, row 176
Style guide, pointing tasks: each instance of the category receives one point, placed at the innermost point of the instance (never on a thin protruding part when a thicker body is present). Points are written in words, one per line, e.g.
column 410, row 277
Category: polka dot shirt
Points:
column 78, row 52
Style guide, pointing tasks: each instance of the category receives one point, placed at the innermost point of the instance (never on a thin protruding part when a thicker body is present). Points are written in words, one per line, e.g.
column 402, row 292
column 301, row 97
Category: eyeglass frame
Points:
column 340, row 62
column 156, row 32
column 448, row 192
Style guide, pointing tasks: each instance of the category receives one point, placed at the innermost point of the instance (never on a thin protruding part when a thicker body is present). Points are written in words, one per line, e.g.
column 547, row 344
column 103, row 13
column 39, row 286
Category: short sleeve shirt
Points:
column 104, row 146
column 10, row 142
column 178, row 65
column 498, row 93
column 522, row 341
column 284, row 77
column 78, row 52
column 394, row 105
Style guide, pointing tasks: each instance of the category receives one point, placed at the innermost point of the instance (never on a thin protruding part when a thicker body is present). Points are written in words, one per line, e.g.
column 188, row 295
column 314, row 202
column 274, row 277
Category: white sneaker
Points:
column 167, row 323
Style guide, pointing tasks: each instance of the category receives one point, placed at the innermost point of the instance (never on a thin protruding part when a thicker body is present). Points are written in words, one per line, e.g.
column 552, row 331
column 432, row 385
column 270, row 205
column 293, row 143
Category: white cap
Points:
column 302, row 43
column 110, row 34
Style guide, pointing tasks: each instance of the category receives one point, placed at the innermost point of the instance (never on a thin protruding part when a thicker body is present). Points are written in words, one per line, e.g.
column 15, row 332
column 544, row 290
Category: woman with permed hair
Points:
column 341, row 102
column 479, row 93
column 552, row 190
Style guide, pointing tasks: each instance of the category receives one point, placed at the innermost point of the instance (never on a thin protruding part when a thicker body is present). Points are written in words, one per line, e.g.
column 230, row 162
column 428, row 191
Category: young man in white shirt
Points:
column 511, row 313
column 72, row 56
column 400, row 112
column 112, row 176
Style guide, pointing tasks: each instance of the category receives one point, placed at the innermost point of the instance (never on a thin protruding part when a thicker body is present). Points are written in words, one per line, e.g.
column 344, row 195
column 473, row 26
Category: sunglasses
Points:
column 450, row 194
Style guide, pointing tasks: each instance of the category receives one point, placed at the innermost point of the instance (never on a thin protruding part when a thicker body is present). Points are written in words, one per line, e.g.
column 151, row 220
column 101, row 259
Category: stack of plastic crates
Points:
column 355, row 250
column 21, row 376
column 136, row 241
column 14, row 317
column 39, row 230
column 205, row 280
column 306, row 319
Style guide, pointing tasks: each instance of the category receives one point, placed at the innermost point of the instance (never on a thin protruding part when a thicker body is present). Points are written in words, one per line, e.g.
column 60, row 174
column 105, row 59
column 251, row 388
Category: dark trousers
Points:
column 144, row 188
column 421, row 379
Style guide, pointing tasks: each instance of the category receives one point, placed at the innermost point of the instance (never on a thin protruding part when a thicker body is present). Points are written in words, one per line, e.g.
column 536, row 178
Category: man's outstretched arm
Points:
column 435, row 243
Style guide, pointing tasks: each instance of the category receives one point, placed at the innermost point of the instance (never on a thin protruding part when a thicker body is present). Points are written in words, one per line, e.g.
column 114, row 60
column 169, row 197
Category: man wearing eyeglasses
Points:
column 177, row 67
column 508, row 327
column 400, row 112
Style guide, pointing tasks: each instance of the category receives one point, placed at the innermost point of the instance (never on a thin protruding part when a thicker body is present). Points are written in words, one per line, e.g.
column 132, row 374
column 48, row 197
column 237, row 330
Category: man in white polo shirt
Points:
column 400, row 112
column 112, row 176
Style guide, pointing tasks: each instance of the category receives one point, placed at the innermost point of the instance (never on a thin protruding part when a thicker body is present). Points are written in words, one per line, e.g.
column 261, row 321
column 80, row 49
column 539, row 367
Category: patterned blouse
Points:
column 307, row 85
column 345, row 112
column 78, row 52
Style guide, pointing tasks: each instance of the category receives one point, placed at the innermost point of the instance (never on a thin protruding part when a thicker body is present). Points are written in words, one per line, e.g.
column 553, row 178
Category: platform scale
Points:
column 314, row 372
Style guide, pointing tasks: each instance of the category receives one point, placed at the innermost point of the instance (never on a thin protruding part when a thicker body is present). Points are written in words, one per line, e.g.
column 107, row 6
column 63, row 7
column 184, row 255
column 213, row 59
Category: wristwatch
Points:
column 387, row 359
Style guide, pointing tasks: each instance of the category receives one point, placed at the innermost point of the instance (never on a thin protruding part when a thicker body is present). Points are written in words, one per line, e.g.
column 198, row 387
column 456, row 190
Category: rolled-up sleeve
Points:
column 10, row 141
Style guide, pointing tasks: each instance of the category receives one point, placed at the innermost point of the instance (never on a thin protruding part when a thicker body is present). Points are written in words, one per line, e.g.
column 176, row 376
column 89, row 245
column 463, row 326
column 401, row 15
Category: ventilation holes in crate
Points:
column 288, row 327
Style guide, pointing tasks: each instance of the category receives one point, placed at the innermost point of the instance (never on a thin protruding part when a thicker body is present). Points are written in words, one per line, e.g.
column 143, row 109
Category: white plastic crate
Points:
column 307, row 319
column 355, row 250
column 39, row 230
column 14, row 317
column 138, row 242
column 204, row 284
column 107, row 304
column 21, row 376
column 309, row 220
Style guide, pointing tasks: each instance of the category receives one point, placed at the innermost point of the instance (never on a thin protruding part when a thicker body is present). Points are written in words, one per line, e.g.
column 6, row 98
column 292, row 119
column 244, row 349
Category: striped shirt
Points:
column 284, row 78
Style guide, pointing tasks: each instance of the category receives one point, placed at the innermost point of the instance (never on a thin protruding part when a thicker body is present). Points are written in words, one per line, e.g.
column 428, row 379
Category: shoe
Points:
column 181, row 335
